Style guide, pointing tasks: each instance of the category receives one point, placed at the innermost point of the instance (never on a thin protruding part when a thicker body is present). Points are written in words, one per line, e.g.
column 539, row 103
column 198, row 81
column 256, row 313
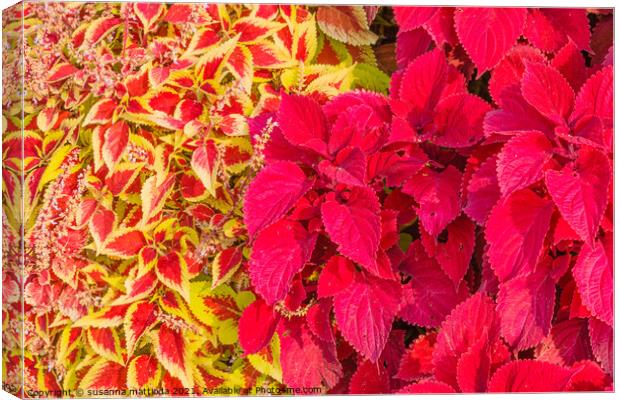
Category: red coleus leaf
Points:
column 474, row 367
column 149, row 13
column 256, row 326
column 461, row 330
column 488, row 33
column 115, row 140
column 530, row 376
column 437, row 193
column 555, row 104
column 204, row 162
column 515, row 232
column 370, row 378
column 307, row 361
column 409, row 18
column 353, row 223
column 579, row 191
column 482, row 192
column 421, row 87
column 336, row 276
column 272, row 193
column 172, row 352
column 171, row 269
column 417, row 360
column 348, row 168
column 365, row 311
column 318, row 320
column 521, row 161
column 588, row 377
column 453, row 252
column 303, row 123
column 525, row 307
column 142, row 371
column 596, row 97
column 431, row 294
column 140, row 316
column 124, row 243
column 601, row 339
column 571, row 340
column 458, row 120
column 426, row 386
column 593, row 275
column 280, row 251
column 105, row 375
column 510, row 70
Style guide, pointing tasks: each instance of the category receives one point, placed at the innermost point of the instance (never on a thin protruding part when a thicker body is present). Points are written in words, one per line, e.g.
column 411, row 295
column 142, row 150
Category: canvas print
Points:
column 205, row 199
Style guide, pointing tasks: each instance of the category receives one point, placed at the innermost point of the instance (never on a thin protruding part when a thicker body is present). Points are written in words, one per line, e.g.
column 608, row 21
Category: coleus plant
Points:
column 135, row 158
column 468, row 216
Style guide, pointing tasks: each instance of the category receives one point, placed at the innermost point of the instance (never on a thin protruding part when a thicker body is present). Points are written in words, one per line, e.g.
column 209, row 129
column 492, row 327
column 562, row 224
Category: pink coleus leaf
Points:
column 370, row 378
column 272, row 193
column 529, row 376
column 336, row 276
column 409, row 18
column 474, row 367
column 602, row 341
column 525, row 307
column 319, row 322
column 365, row 311
column 569, row 61
column 515, row 232
column 303, row 123
column 307, row 361
column 482, row 191
column 431, row 294
column 460, row 330
column 510, row 70
column 453, row 252
column 354, row 225
column 593, row 275
column 410, row 45
column 417, row 360
column 420, row 88
column 536, row 85
column 579, row 191
column 521, row 161
column 256, row 326
column 280, row 251
column 588, row 376
column 458, row 120
column 426, row 386
column 488, row 33
column 571, row 339
column 437, row 193
column 596, row 97
column 349, row 167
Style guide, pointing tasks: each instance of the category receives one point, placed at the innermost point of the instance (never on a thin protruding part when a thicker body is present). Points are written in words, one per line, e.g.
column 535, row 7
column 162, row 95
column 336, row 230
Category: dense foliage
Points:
column 361, row 199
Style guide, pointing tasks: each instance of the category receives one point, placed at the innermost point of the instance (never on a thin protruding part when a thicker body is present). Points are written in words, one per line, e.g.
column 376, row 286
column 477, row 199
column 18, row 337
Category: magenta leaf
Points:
column 431, row 294
column 579, row 191
column 593, row 275
column 525, row 307
column 437, row 193
column 256, row 326
column 365, row 311
column 488, row 33
column 545, row 89
column 529, row 376
column 280, row 251
column 515, row 232
column 521, row 161
column 303, row 123
column 354, row 225
column 272, row 193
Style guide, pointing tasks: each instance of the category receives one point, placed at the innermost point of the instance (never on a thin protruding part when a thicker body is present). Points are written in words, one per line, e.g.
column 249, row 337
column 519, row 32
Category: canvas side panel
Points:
column 12, row 199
